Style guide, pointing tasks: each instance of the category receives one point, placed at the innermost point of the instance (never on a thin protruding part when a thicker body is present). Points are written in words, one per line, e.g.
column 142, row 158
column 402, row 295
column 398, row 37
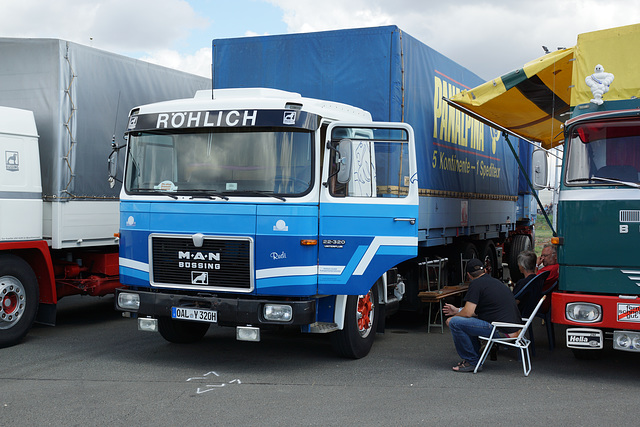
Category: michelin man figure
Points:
column 599, row 83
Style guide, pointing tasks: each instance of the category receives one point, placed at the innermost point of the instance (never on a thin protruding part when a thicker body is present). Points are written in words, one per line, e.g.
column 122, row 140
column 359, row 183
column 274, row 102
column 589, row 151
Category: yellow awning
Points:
column 536, row 100
column 618, row 51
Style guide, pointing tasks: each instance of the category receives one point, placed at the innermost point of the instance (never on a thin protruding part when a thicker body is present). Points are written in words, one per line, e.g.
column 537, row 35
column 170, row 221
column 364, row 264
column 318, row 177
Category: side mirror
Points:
column 539, row 166
column 112, row 162
column 344, row 161
column 112, row 168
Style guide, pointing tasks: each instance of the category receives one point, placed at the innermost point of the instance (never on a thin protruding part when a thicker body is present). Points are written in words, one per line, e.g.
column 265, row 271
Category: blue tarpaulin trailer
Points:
column 468, row 178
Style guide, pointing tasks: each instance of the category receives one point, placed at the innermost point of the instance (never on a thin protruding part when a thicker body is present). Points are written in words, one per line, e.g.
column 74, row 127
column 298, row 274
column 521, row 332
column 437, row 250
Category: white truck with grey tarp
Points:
column 60, row 106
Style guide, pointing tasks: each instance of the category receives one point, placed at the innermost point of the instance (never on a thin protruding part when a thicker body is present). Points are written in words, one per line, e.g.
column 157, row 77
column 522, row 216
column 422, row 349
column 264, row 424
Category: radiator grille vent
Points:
column 220, row 263
column 630, row 216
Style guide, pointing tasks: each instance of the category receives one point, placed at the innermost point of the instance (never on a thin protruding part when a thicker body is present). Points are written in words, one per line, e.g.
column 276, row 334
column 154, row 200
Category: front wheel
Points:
column 19, row 299
column 180, row 331
column 361, row 319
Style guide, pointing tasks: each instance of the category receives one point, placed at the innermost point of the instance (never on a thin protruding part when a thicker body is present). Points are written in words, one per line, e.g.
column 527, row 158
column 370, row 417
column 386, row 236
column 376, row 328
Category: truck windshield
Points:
column 604, row 153
column 220, row 163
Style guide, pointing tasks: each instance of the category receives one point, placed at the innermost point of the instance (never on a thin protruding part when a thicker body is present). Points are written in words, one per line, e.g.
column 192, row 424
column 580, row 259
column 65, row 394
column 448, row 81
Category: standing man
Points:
column 487, row 300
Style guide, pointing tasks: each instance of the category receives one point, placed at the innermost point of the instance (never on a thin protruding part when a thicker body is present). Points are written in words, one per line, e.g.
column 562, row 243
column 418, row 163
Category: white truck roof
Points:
column 258, row 98
column 14, row 121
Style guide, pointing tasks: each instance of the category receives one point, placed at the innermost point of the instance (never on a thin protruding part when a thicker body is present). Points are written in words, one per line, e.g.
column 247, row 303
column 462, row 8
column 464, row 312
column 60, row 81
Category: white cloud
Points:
column 308, row 16
column 198, row 63
column 490, row 37
column 121, row 26
column 112, row 24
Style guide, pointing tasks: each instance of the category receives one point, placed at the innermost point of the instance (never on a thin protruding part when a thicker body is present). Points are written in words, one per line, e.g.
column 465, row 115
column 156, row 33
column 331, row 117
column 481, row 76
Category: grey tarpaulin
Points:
column 80, row 97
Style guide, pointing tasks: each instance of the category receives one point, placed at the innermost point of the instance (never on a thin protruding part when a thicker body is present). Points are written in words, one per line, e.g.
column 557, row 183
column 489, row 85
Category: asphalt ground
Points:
column 95, row 368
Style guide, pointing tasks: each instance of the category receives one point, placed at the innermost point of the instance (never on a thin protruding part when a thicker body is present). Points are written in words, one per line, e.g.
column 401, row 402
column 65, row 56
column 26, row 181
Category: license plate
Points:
column 194, row 314
column 629, row 313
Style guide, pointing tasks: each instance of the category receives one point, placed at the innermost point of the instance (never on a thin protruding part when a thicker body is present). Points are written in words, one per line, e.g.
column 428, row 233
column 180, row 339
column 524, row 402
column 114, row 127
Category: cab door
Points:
column 368, row 205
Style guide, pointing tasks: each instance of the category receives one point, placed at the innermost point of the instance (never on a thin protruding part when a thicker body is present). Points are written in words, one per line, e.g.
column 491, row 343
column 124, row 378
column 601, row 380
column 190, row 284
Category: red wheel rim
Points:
column 12, row 301
column 365, row 313
column 9, row 303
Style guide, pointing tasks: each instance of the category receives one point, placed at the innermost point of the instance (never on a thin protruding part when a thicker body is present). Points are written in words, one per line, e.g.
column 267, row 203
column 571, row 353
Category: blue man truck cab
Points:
column 255, row 207
column 250, row 207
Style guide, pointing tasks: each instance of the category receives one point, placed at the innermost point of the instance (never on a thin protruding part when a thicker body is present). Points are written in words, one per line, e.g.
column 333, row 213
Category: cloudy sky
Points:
column 489, row 37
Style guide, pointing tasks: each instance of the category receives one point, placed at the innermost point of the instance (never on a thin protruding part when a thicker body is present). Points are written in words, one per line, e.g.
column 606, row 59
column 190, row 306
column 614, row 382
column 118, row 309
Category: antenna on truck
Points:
column 115, row 123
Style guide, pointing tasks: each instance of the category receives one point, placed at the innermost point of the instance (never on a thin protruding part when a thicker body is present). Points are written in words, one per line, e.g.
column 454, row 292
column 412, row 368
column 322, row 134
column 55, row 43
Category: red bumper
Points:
column 617, row 313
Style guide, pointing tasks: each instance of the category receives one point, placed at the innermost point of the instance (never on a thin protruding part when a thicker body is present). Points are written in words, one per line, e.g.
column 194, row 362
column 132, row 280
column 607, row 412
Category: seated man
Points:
column 487, row 300
column 529, row 298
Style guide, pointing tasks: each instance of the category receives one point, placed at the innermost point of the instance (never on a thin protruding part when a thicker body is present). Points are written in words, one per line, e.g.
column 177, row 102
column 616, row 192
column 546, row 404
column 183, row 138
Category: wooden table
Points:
column 437, row 297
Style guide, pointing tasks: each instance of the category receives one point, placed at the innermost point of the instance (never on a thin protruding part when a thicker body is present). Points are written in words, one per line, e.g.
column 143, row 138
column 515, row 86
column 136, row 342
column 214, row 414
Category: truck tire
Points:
column 19, row 299
column 519, row 243
column 354, row 341
column 180, row 331
column 488, row 256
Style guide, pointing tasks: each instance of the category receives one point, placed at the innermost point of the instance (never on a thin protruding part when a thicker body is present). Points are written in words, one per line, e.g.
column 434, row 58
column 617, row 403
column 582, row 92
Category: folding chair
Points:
column 519, row 341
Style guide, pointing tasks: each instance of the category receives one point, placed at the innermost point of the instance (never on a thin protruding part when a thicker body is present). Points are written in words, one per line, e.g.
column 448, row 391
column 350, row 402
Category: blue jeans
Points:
column 465, row 332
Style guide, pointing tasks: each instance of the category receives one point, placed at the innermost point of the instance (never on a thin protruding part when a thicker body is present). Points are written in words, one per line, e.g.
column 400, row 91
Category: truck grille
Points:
column 629, row 216
column 223, row 263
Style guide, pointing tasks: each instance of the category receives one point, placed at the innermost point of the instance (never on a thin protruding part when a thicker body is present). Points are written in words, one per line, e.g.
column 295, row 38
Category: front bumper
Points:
column 231, row 311
column 612, row 309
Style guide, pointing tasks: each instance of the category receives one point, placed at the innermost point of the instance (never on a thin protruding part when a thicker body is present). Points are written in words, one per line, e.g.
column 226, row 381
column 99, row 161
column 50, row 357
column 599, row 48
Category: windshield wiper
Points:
column 599, row 178
column 204, row 194
column 255, row 193
column 154, row 191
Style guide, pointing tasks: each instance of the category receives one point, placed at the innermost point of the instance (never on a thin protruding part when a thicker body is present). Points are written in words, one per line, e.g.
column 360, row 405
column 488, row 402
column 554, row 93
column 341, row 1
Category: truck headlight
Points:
column 128, row 301
column 278, row 312
column 583, row 312
column 626, row 340
column 148, row 324
column 247, row 333
column 623, row 341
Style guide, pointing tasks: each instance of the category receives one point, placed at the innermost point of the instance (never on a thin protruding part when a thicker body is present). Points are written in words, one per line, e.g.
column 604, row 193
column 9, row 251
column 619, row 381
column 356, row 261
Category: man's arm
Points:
column 468, row 310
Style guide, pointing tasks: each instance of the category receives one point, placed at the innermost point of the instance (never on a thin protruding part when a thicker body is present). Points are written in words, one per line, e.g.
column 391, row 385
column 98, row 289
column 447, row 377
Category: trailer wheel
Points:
column 19, row 299
column 361, row 319
column 181, row 332
column 519, row 243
